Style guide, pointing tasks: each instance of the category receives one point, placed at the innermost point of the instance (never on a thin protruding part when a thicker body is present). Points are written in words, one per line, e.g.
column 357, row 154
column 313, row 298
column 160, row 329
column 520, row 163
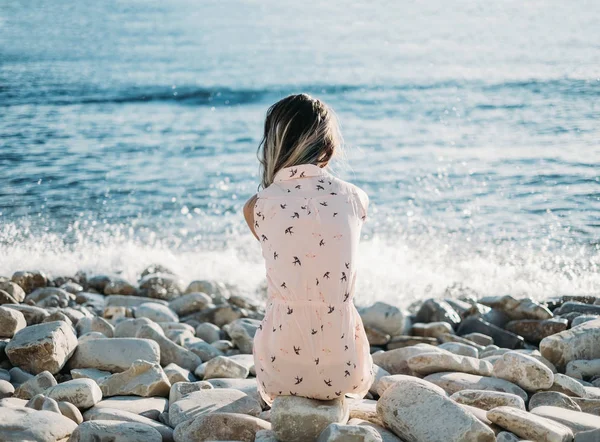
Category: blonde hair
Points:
column 299, row 129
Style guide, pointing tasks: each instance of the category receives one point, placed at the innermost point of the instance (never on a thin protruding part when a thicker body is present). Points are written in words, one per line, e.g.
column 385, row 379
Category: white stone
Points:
column 156, row 312
column 220, row 426
column 486, row 400
column 415, row 411
column 458, row 348
column 224, row 367
column 386, row 435
column 114, row 355
column 299, row 419
column 529, row 426
column 27, row 424
column 209, row 332
column 180, row 389
column 190, row 303
column 113, row 414
column 222, row 400
column 89, row 373
column 114, row 431
column 575, row 420
column 149, row 407
column 523, row 370
column 36, row 385
column 11, row 321
column 128, row 328
column 175, row 373
column 567, row 385
column 453, row 382
column 95, row 324
column 42, row 347
column 169, row 351
column 384, row 317
column 580, row 369
column 396, row 361
column 141, row 379
column 344, row 433
column 83, row 393
column 387, row 381
column 579, row 342
column 242, row 333
column 428, row 363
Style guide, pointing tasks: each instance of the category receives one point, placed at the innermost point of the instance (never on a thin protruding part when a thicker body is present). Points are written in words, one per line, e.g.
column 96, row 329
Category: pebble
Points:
column 487, row 400
column 177, row 374
column 517, row 308
column 435, row 310
column 581, row 369
column 141, row 379
column 579, row 307
column 384, row 317
column 386, row 435
column 507, row 436
column 535, row 330
column 35, row 385
column 220, row 426
column 242, row 333
column 576, row 343
column 33, row 315
column 225, row 400
column 460, row 349
column 479, row 338
column 115, row 431
column 529, row 426
column 190, row 303
column 120, row 287
column 429, row 363
column 453, row 382
column 41, row 402
column 396, row 342
column 208, row 332
column 365, row 409
column 14, row 290
column 6, row 389
column 554, row 399
column 567, row 385
column 396, row 361
column 299, row 419
column 69, row 410
column 180, row 389
column 432, row 329
column 114, row 355
column 376, row 337
column 575, row 420
column 419, row 402
column 95, row 324
column 583, row 318
column 387, row 381
column 42, row 347
column 523, row 370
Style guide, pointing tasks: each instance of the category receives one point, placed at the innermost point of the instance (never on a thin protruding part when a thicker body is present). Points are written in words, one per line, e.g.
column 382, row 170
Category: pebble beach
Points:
column 98, row 358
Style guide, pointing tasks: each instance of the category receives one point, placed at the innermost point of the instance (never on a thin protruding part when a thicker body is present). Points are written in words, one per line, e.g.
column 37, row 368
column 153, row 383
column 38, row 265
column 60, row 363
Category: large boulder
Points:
column 299, row 419
column 415, row 412
column 114, row 355
column 220, row 426
column 579, row 342
column 42, row 347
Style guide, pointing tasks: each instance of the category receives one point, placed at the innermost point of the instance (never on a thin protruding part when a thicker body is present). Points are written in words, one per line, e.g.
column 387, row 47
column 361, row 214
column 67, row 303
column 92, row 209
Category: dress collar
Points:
column 299, row 171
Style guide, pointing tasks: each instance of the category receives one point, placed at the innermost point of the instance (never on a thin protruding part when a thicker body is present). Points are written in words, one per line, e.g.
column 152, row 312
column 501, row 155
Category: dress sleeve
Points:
column 363, row 200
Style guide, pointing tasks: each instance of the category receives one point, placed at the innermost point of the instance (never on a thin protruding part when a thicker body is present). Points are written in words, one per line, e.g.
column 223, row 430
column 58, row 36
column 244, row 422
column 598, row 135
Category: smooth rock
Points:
column 378, row 373
column 83, row 393
column 114, row 355
column 453, row 382
column 435, row 310
column 130, row 301
column 180, row 389
column 501, row 337
column 579, row 342
column 89, row 373
column 219, row 315
column 523, row 370
column 507, row 436
column 554, row 399
column 204, row 350
column 224, row 367
column 396, row 361
column 120, row 287
column 460, row 349
column 575, row 420
column 242, row 333
column 248, row 386
column 220, row 426
column 42, row 347
column 156, row 312
column 141, row 379
column 215, row 289
column 479, row 338
column 6, row 389
column 169, row 351
column 376, row 337
column 386, row 435
column 449, row 337
column 567, row 385
column 529, row 426
column 517, row 308
column 387, row 381
column 175, row 373
column 396, row 342
column 11, row 321
column 27, row 424
column 365, row 409
column 190, row 303
column 95, row 324
column 432, row 329
column 583, row 318
column 147, row 407
column 591, row 406
column 428, row 363
column 535, row 330
column 170, row 283
column 41, row 402
column 18, row 376
column 36, row 385
column 69, row 410
column 114, row 431
column 113, row 414
column 383, row 317
column 487, row 400
column 129, row 328
column 579, row 307
column 588, row 436
column 224, row 400
column 14, row 290
column 299, row 419
column 33, row 315
column 208, row 332
column 349, row 433
column 407, row 408
column 581, row 369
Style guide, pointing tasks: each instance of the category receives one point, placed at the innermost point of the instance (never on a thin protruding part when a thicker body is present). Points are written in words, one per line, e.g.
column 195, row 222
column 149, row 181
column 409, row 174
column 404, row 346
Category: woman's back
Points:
column 311, row 341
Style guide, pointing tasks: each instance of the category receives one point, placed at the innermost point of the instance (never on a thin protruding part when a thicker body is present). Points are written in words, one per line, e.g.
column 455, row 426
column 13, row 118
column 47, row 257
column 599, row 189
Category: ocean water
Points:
column 129, row 129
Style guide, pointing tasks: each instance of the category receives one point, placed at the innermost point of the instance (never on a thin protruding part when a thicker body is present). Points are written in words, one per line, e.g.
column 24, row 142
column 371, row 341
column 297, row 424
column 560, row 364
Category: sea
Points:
column 129, row 132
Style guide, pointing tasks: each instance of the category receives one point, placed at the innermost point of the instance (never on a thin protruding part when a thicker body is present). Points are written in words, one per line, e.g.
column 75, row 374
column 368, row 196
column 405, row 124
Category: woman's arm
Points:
column 249, row 213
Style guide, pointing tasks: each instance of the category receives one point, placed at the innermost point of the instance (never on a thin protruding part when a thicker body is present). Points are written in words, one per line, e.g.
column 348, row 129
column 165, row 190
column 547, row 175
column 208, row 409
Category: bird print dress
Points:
column 311, row 342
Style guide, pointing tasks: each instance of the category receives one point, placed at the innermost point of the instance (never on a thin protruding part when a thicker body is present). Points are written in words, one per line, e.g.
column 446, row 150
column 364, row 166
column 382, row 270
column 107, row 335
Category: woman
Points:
column 311, row 341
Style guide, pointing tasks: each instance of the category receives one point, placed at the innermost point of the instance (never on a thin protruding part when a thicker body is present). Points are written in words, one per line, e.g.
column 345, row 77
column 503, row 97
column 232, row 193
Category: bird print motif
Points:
column 309, row 226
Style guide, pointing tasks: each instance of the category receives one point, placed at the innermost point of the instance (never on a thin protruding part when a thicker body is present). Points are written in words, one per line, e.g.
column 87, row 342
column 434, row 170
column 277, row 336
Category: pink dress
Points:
column 311, row 341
